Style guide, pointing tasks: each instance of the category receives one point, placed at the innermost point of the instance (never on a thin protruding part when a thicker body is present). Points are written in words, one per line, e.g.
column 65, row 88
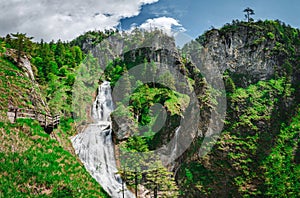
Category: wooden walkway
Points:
column 47, row 121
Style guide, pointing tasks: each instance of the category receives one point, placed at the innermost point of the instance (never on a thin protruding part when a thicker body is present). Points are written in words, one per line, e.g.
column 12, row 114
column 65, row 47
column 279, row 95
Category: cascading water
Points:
column 95, row 147
column 174, row 147
column 103, row 104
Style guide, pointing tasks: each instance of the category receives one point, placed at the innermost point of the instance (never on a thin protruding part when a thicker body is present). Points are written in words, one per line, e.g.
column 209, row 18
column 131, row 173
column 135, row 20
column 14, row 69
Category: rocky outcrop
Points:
column 30, row 97
column 122, row 128
column 244, row 51
column 23, row 63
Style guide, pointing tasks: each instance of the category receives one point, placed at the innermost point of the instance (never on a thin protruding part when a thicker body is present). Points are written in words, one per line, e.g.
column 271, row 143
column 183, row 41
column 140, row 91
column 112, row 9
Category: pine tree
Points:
column 160, row 180
column 249, row 12
column 143, row 168
column 23, row 43
column 2, row 46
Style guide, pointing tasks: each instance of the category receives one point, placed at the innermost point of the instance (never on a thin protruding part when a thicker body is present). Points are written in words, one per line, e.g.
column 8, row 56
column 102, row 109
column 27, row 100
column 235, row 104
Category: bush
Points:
column 271, row 35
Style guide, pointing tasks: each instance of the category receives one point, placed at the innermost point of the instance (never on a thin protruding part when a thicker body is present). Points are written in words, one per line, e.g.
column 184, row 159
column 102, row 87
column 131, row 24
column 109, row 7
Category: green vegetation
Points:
column 282, row 173
column 33, row 164
column 16, row 88
column 246, row 157
column 259, row 140
column 54, row 65
column 139, row 166
column 90, row 39
column 141, row 107
column 256, row 154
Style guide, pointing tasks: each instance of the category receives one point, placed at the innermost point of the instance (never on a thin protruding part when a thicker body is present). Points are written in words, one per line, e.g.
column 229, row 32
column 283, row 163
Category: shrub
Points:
column 271, row 35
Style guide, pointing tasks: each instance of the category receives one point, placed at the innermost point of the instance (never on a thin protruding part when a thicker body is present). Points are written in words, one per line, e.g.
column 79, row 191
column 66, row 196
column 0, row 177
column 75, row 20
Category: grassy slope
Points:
column 31, row 162
column 15, row 87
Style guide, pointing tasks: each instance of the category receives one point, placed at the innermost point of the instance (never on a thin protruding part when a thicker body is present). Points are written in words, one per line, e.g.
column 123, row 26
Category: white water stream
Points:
column 95, row 147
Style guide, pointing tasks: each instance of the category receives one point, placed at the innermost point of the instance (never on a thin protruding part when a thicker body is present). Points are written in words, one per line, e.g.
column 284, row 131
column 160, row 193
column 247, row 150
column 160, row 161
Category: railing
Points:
column 45, row 120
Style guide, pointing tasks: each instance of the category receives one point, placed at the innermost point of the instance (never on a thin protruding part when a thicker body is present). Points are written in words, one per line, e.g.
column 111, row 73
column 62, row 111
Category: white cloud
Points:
column 168, row 24
column 57, row 19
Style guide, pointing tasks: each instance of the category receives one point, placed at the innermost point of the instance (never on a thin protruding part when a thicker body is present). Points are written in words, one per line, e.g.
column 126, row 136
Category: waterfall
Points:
column 103, row 104
column 95, row 147
column 171, row 153
column 174, row 148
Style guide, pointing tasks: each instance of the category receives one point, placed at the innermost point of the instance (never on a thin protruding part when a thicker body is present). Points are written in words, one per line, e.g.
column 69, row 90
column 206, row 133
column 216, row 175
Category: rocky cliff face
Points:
column 24, row 90
column 252, row 52
column 24, row 62
column 162, row 51
column 242, row 54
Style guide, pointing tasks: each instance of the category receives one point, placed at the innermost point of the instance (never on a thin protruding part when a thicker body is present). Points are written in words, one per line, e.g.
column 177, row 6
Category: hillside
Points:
column 257, row 153
column 34, row 163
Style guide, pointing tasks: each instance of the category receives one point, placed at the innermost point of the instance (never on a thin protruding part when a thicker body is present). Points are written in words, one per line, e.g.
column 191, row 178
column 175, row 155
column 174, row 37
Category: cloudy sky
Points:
column 66, row 19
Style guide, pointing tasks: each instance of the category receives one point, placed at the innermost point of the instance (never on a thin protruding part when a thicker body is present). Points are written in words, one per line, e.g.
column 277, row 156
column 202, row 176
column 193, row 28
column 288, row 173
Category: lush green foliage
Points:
column 139, row 106
column 257, row 152
column 139, row 166
column 33, row 163
column 90, row 39
column 55, row 65
column 16, row 88
column 282, row 173
column 36, row 165
column 138, row 100
column 246, row 156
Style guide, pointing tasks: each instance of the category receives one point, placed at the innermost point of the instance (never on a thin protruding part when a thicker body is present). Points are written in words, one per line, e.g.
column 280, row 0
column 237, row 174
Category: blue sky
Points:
column 196, row 16
column 67, row 19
